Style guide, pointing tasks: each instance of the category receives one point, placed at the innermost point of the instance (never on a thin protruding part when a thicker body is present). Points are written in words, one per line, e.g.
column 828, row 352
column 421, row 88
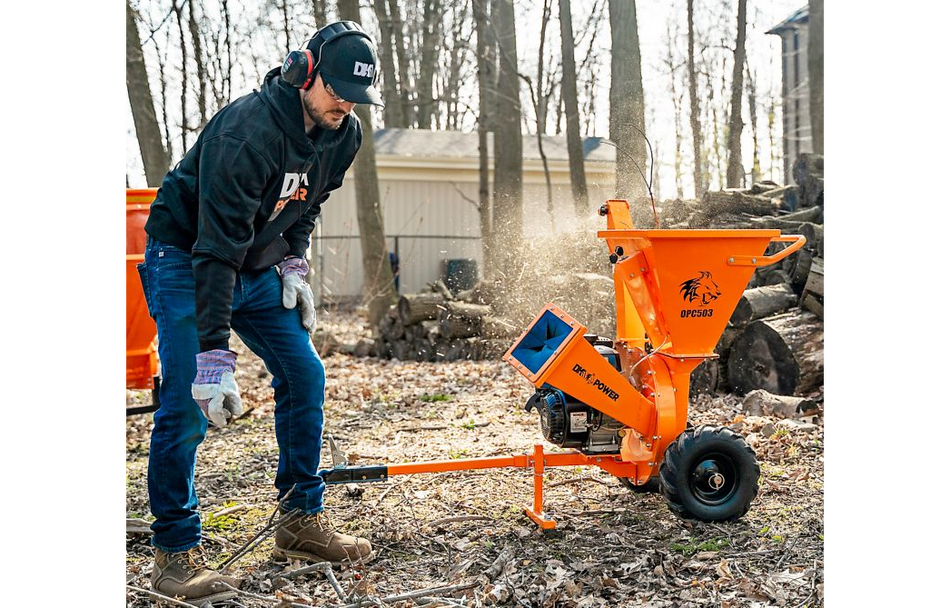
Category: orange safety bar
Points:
column 141, row 353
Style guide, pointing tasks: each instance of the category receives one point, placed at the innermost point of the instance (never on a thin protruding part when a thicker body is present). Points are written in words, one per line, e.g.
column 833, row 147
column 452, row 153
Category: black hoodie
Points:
column 248, row 193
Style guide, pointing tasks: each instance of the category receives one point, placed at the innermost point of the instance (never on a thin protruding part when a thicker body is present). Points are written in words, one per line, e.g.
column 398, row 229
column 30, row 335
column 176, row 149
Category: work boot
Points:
column 311, row 537
column 186, row 575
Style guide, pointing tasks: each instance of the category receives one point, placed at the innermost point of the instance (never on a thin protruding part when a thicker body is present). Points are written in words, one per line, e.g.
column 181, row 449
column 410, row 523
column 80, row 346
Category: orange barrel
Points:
column 141, row 352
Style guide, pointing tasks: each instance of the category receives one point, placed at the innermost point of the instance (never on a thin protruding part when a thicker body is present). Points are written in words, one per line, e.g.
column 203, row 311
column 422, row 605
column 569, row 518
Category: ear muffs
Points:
column 300, row 68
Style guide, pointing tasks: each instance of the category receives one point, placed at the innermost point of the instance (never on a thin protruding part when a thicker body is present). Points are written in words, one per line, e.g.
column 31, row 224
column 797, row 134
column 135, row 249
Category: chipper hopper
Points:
column 621, row 404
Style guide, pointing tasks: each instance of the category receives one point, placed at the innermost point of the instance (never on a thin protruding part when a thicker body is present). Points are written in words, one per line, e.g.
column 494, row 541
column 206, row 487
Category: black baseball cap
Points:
column 349, row 64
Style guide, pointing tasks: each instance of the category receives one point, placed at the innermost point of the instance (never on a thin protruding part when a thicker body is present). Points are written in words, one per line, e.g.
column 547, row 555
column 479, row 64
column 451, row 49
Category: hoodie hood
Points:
column 283, row 101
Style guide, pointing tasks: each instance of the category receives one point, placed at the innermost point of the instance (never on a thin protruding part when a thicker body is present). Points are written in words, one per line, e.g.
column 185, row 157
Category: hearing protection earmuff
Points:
column 300, row 68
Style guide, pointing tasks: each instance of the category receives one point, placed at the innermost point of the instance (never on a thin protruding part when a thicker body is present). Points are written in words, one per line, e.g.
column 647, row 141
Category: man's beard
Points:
column 319, row 118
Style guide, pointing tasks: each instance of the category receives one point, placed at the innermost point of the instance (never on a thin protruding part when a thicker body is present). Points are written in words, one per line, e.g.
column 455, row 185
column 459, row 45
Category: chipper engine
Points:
column 621, row 404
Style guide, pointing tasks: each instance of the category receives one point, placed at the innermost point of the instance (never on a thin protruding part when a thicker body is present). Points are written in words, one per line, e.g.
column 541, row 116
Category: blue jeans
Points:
column 277, row 336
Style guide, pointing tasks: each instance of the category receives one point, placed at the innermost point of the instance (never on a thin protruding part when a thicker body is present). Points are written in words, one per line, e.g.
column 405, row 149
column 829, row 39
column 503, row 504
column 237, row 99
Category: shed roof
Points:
column 459, row 144
column 799, row 17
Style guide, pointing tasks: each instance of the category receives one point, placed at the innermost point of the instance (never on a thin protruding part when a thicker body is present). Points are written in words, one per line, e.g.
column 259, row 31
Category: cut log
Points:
column 783, row 354
column 417, row 307
column 461, row 319
column 455, row 350
column 422, row 350
column 813, row 233
column 763, row 403
column 395, row 331
column 812, row 303
column 723, row 349
column 363, row 347
column 402, row 350
column 813, row 192
column 430, row 331
column 761, row 302
column 807, row 164
column 813, row 294
column 383, row 349
column 776, row 191
column 442, row 289
column 804, row 215
column 763, row 187
column 799, row 274
column 816, row 277
column 737, row 201
column 769, row 275
column 705, row 378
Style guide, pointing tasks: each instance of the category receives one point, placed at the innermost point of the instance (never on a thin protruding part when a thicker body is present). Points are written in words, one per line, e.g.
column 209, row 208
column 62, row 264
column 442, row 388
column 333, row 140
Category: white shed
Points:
column 428, row 183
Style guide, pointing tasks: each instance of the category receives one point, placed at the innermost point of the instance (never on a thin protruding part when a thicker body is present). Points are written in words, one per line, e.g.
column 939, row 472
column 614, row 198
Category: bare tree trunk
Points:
column 378, row 288
column 677, row 97
column 227, row 45
column 734, row 172
column 163, row 94
column 319, row 13
column 575, row 147
column 714, row 140
column 627, row 120
column 431, row 33
column 184, row 77
column 754, row 123
column 816, row 73
column 699, row 162
column 200, row 72
column 508, row 186
column 154, row 155
column 453, row 80
column 484, row 58
column 773, row 157
column 539, row 113
column 402, row 61
column 393, row 112
column 286, row 20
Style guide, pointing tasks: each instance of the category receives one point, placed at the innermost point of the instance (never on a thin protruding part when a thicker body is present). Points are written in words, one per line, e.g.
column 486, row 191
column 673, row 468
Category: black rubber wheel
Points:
column 652, row 486
column 710, row 474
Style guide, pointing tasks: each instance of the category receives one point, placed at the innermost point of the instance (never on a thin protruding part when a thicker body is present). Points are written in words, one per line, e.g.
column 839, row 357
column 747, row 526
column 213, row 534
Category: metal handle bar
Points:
column 797, row 240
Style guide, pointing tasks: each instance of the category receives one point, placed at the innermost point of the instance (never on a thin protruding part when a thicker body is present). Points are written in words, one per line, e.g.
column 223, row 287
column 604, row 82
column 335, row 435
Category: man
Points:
column 227, row 235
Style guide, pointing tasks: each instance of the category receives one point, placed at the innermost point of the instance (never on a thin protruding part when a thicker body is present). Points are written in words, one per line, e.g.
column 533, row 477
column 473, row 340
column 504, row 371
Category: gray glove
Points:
column 215, row 390
column 293, row 273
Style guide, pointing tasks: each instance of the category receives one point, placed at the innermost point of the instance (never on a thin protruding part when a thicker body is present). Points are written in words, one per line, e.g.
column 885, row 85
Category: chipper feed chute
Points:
column 621, row 404
column 141, row 357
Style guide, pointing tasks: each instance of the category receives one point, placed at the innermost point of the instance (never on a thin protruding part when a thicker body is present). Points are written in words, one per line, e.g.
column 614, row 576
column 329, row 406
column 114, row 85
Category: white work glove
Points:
column 297, row 293
column 215, row 390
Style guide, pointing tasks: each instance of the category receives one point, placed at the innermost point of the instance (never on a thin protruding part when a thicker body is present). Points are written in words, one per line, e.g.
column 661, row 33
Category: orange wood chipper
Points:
column 141, row 351
column 622, row 404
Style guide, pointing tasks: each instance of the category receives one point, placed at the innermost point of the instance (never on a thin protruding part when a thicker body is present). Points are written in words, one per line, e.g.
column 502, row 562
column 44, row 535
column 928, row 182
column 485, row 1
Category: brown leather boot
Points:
column 312, row 538
column 186, row 575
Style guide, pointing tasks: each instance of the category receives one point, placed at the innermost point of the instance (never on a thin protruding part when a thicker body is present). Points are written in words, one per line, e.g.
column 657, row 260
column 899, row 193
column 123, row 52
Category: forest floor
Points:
column 611, row 547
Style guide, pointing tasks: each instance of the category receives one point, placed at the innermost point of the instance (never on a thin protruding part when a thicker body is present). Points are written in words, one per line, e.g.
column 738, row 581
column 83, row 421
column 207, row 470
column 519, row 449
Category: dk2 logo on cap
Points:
column 364, row 69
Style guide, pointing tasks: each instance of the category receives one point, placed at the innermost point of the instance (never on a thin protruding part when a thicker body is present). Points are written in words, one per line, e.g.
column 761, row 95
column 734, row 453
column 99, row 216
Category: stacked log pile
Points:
column 775, row 338
column 438, row 325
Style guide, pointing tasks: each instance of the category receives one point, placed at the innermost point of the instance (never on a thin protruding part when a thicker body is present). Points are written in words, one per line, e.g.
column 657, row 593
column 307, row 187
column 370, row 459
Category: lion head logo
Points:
column 702, row 287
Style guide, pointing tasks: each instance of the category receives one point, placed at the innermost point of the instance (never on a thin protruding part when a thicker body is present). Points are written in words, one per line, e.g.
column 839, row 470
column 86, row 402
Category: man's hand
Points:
column 215, row 390
column 293, row 273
